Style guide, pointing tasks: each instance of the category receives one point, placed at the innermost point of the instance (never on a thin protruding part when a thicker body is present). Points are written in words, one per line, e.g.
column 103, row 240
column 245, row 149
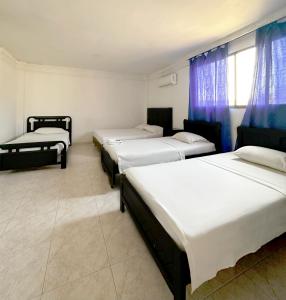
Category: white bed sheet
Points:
column 217, row 208
column 104, row 135
column 143, row 152
column 31, row 137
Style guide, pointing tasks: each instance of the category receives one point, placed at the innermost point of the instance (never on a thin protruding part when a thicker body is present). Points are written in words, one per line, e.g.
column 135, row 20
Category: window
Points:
column 240, row 76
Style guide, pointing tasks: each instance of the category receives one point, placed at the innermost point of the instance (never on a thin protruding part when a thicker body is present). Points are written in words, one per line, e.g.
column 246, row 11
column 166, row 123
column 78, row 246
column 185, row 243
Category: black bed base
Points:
column 109, row 166
column 171, row 260
column 14, row 159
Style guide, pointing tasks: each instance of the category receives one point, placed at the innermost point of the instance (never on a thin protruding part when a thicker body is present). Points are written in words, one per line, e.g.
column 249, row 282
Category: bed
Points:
column 162, row 117
column 233, row 224
column 119, row 156
column 38, row 147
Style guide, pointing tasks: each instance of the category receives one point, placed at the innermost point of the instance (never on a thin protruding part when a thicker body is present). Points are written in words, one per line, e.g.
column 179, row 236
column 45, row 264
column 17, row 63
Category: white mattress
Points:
column 217, row 208
column 134, row 153
column 104, row 135
column 31, row 137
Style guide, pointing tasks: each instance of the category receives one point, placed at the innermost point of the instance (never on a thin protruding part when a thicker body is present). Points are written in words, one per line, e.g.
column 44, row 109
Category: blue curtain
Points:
column 208, row 91
column 267, row 107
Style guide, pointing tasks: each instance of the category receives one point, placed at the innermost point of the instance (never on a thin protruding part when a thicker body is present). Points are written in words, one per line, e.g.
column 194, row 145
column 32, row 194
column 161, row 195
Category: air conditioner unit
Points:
column 170, row 79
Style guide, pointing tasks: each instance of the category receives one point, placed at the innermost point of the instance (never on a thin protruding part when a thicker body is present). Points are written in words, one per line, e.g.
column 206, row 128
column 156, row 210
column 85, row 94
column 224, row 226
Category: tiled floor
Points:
column 62, row 237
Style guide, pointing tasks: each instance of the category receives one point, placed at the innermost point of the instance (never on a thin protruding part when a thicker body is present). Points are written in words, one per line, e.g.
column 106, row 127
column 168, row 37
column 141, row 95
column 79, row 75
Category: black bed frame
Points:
column 211, row 131
column 161, row 116
column 14, row 159
column 171, row 260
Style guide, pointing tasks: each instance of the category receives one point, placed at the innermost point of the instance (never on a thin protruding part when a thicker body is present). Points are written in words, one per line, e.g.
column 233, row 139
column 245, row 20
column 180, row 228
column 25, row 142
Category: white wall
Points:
column 176, row 96
column 92, row 99
column 8, row 96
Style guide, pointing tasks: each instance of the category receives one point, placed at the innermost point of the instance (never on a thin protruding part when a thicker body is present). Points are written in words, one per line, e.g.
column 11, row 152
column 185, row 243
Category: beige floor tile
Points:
column 25, row 232
column 22, row 276
column 265, row 280
column 74, row 209
column 225, row 276
column 272, row 272
column 121, row 235
column 36, row 205
column 248, row 262
column 9, row 201
column 138, row 278
column 97, row 286
column 77, row 249
column 3, row 227
column 248, row 286
column 7, row 212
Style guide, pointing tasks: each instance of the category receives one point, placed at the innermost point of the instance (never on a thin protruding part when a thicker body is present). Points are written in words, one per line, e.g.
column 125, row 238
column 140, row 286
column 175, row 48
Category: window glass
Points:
column 245, row 64
column 241, row 67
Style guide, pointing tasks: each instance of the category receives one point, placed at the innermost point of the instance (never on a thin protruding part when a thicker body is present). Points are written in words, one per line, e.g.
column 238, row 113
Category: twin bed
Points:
column 196, row 218
column 158, row 116
column 45, row 143
column 116, row 157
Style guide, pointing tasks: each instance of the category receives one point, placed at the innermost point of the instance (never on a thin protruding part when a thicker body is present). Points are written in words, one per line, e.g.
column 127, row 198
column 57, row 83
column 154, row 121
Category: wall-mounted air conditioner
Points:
column 170, row 79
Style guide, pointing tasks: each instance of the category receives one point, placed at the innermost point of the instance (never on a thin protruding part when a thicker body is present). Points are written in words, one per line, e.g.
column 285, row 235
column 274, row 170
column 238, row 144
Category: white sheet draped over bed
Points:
column 153, row 151
column 144, row 152
column 217, row 208
column 104, row 135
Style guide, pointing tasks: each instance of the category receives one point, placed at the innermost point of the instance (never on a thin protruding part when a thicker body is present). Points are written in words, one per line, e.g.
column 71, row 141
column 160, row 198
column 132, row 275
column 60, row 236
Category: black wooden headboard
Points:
column 64, row 122
column 161, row 116
column 263, row 137
column 209, row 130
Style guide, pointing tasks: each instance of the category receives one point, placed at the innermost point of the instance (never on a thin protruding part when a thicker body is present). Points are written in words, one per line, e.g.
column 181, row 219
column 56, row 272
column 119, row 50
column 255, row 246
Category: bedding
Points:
column 202, row 206
column 104, row 135
column 153, row 151
column 153, row 128
column 188, row 137
column 263, row 156
column 31, row 137
column 49, row 130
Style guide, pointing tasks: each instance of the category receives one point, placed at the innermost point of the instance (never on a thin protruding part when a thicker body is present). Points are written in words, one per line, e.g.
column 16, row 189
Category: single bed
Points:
column 39, row 147
column 225, row 218
column 162, row 117
column 119, row 156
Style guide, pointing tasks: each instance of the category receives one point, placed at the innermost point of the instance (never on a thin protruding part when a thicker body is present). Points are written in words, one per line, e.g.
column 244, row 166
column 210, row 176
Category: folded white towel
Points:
column 113, row 142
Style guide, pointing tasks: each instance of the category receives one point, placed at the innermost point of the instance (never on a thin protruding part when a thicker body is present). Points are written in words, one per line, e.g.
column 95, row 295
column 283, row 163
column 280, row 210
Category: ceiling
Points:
column 129, row 36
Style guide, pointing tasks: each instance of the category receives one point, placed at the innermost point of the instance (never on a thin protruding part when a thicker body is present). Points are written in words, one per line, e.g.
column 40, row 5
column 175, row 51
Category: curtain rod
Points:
column 280, row 20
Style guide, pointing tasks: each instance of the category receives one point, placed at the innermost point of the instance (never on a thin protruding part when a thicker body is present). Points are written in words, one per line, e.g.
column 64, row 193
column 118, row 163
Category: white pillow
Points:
column 50, row 130
column 263, row 156
column 153, row 129
column 188, row 137
column 141, row 126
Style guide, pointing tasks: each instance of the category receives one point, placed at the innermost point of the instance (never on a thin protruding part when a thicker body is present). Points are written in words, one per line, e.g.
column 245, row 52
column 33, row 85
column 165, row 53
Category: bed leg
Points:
column 179, row 282
column 122, row 205
column 180, row 294
column 63, row 159
column 112, row 180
